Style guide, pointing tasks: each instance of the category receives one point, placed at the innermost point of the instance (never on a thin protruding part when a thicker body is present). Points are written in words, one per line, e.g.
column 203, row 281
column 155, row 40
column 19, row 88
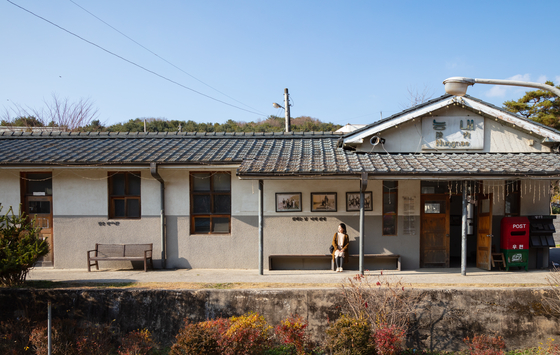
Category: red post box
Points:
column 514, row 233
column 514, row 241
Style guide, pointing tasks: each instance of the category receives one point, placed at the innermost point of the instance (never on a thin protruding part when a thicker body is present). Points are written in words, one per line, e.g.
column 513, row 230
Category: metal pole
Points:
column 261, row 238
column 162, row 231
column 361, row 232
column 464, row 232
column 541, row 86
column 287, row 109
column 363, row 187
column 49, row 332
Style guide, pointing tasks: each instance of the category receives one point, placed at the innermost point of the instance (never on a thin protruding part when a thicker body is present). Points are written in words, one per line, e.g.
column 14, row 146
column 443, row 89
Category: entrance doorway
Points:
column 441, row 225
column 36, row 199
column 434, row 231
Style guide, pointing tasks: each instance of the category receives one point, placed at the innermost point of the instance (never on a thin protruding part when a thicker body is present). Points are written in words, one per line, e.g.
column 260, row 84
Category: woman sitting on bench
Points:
column 340, row 243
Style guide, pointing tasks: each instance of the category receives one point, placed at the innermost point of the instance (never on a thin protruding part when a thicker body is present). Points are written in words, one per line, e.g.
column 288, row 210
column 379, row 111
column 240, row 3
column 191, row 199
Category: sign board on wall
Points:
column 453, row 132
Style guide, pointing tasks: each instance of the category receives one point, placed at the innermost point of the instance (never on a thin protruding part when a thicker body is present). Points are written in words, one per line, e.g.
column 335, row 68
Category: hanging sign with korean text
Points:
column 453, row 132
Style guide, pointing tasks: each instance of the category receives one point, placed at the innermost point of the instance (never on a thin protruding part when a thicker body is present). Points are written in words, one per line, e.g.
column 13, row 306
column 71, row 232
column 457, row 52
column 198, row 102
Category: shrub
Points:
column 485, row 345
column 550, row 348
column 63, row 334
column 389, row 339
column 383, row 300
column 199, row 338
column 137, row 342
column 96, row 339
column 350, row 336
column 14, row 336
column 20, row 247
column 71, row 338
column 247, row 335
column 292, row 331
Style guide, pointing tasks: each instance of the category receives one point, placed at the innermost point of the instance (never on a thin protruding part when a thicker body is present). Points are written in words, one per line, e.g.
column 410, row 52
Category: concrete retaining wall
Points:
column 443, row 318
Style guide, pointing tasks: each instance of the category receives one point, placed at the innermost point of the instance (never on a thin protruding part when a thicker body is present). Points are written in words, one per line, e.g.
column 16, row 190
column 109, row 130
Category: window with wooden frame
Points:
column 513, row 197
column 210, row 202
column 390, row 199
column 124, row 195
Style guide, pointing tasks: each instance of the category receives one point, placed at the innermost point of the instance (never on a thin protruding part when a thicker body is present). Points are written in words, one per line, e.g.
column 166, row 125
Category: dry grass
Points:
column 241, row 285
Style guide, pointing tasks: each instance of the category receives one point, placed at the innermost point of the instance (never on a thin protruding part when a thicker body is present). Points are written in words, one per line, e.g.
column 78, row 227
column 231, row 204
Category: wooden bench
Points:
column 115, row 252
column 320, row 257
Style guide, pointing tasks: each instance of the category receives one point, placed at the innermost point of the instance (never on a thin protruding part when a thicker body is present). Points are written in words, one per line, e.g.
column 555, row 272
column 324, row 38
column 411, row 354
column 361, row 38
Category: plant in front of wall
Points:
column 383, row 300
column 14, row 336
column 293, row 331
column 248, row 334
column 389, row 339
column 200, row 338
column 485, row 345
column 548, row 348
column 137, row 342
column 96, row 339
column 20, row 247
column 64, row 333
column 350, row 336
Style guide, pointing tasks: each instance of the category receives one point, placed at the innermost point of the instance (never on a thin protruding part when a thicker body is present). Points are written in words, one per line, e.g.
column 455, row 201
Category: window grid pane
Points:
column 124, row 195
column 210, row 202
column 390, row 207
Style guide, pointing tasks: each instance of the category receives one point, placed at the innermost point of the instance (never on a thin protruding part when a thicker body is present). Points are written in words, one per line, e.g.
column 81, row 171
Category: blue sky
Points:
column 342, row 61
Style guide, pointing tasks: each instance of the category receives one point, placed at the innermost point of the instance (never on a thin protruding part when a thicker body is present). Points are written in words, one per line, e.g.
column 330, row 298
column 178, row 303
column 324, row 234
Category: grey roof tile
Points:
column 313, row 153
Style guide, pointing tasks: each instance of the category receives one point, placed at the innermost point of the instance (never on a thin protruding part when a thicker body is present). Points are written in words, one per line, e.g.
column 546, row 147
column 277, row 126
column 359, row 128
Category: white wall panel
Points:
column 9, row 190
column 80, row 192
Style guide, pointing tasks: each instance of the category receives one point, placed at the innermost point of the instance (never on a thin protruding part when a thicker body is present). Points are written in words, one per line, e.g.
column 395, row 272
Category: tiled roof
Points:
column 340, row 162
column 278, row 154
column 441, row 98
column 174, row 148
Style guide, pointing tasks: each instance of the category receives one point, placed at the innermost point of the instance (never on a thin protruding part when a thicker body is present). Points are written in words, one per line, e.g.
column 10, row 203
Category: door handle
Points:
column 490, row 235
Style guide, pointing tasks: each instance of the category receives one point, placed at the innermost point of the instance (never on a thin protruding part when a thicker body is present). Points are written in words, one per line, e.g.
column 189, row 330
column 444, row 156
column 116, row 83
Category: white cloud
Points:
column 496, row 91
column 502, row 90
column 542, row 79
column 557, row 80
column 521, row 77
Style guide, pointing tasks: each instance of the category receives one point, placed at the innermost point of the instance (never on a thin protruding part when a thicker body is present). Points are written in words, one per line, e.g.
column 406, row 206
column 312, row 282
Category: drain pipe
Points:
column 155, row 174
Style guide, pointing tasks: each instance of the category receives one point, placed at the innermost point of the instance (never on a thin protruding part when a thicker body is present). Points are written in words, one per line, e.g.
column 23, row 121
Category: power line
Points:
column 133, row 63
column 160, row 57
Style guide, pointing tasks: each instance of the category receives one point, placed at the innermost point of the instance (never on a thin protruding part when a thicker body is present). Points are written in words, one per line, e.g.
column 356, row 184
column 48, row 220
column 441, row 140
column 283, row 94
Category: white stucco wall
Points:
column 81, row 218
column 498, row 136
column 9, row 190
column 80, row 192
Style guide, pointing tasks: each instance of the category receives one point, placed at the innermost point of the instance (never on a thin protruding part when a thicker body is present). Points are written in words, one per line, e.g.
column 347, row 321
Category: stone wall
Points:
column 443, row 318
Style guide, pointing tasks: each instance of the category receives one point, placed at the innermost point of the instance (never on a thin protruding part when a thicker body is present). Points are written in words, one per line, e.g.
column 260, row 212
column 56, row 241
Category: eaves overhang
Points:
column 549, row 135
column 359, row 137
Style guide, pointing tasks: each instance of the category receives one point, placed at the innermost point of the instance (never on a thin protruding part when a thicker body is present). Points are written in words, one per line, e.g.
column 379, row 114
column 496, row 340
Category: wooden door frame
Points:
column 423, row 198
column 484, row 264
column 25, row 198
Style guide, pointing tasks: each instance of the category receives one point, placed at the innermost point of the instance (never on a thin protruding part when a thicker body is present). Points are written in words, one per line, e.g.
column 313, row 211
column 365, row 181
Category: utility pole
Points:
column 287, row 108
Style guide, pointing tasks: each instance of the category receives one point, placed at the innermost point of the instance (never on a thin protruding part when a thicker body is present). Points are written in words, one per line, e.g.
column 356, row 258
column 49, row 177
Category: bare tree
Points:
column 417, row 97
column 58, row 112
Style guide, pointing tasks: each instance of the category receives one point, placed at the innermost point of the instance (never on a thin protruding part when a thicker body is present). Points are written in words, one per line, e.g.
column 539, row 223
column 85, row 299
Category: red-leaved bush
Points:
column 389, row 339
column 485, row 345
column 137, row 342
column 292, row 330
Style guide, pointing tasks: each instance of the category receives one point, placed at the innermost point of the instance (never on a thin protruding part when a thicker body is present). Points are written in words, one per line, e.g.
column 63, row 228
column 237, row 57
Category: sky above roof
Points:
column 211, row 61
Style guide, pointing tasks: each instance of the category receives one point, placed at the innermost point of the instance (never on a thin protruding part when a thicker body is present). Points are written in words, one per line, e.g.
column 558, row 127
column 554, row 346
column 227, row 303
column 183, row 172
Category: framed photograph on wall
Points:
column 353, row 201
column 323, row 202
column 288, row 202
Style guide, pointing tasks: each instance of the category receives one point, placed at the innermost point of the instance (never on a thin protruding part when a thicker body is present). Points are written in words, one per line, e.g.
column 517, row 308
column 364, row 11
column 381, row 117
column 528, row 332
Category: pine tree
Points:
column 538, row 105
column 20, row 247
